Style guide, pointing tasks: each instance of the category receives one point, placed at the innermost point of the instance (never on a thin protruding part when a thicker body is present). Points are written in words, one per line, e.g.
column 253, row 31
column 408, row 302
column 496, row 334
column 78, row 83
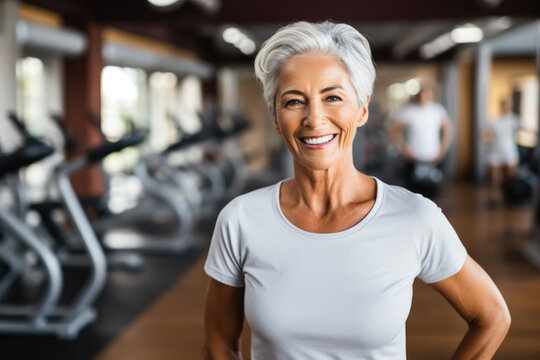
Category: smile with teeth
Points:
column 318, row 140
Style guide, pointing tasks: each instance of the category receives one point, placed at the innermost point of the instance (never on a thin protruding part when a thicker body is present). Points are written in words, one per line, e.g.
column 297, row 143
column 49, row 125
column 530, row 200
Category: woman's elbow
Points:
column 216, row 352
column 503, row 315
column 212, row 352
column 206, row 352
column 498, row 319
column 504, row 318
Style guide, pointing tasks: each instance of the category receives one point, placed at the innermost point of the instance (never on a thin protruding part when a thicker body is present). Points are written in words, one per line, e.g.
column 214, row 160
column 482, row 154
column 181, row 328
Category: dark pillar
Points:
column 83, row 106
column 210, row 101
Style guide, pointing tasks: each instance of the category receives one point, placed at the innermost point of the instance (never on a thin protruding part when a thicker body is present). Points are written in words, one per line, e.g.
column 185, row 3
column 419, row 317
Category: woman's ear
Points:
column 276, row 126
column 273, row 115
column 364, row 113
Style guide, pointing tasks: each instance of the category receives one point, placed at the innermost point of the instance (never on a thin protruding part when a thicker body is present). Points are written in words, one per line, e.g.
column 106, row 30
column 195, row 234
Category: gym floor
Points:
column 158, row 313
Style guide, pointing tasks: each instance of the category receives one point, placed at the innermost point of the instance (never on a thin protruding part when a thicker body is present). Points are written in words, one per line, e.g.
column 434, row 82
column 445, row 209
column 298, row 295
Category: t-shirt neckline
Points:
column 355, row 228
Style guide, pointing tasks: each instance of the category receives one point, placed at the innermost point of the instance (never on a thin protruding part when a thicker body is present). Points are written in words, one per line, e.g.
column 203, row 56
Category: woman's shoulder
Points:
column 257, row 196
column 400, row 200
column 253, row 201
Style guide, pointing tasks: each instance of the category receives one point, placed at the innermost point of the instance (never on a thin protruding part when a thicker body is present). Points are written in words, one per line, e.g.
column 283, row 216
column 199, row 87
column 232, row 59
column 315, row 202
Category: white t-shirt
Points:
column 423, row 124
column 504, row 148
column 343, row 295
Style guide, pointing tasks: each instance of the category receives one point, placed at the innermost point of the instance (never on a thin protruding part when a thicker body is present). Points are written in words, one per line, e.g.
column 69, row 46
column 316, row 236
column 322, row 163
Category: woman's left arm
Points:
column 476, row 298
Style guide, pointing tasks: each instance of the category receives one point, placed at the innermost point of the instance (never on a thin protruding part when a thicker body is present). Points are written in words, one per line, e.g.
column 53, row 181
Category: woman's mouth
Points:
column 318, row 142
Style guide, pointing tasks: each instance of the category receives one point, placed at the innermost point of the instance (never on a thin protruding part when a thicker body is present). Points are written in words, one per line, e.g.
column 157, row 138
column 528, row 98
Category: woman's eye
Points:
column 333, row 98
column 293, row 102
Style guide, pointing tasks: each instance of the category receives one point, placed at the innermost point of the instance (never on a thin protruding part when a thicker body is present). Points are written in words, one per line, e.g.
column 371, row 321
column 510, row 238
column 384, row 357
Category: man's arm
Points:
column 396, row 134
column 447, row 133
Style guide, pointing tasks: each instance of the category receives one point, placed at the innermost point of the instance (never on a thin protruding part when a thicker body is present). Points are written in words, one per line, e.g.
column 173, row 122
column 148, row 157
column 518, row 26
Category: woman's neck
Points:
column 324, row 191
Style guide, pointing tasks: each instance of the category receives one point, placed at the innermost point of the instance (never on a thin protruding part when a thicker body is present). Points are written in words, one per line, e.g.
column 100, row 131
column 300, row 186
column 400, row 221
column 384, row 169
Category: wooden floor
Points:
column 173, row 327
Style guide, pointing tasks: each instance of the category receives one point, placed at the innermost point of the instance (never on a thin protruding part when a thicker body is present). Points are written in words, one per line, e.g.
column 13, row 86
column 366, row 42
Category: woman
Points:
column 322, row 264
column 503, row 153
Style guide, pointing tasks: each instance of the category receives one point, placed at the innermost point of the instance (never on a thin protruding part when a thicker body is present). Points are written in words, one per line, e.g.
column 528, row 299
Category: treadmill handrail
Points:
column 98, row 153
column 212, row 133
column 24, row 156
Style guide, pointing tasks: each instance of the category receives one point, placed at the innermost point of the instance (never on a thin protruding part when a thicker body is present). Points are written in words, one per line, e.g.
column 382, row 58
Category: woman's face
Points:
column 317, row 112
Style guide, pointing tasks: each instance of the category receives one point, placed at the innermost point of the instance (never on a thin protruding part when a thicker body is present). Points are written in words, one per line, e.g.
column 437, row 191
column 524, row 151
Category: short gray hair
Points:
column 341, row 41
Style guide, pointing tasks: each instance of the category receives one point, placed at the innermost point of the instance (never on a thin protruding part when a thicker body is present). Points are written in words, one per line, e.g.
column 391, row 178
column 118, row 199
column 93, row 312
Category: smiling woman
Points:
column 322, row 264
column 317, row 109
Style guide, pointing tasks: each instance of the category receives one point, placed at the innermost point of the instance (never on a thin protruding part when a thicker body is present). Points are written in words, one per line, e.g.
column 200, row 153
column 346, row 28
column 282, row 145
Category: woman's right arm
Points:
column 223, row 321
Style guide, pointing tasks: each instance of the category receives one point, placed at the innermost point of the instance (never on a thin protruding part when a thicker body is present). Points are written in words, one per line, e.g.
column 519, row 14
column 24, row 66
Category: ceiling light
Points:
column 412, row 86
column 247, row 46
column 489, row 4
column 163, row 3
column 437, row 46
column 209, row 5
column 468, row 33
column 239, row 39
column 396, row 91
column 232, row 35
column 499, row 24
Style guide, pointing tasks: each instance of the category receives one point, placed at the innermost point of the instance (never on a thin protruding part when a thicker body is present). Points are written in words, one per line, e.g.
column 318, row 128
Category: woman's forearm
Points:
column 221, row 354
column 483, row 338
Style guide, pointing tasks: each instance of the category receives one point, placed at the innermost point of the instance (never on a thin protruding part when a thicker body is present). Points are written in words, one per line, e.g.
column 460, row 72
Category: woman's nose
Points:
column 315, row 115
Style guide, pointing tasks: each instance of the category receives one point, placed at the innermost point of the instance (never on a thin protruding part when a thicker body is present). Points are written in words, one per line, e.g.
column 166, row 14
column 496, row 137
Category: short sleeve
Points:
column 224, row 257
column 441, row 252
column 403, row 116
column 444, row 114
column 515, row 123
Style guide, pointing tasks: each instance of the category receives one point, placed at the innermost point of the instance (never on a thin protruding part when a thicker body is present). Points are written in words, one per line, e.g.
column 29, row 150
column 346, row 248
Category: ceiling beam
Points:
column 285, row 11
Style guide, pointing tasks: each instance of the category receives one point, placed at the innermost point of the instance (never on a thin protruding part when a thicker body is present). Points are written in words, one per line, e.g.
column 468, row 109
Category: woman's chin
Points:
column 317, row 165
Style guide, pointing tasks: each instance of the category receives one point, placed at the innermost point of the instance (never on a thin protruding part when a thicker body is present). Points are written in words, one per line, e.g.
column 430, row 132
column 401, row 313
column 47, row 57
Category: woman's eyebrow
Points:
column 297, row 92
column 330, row 88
